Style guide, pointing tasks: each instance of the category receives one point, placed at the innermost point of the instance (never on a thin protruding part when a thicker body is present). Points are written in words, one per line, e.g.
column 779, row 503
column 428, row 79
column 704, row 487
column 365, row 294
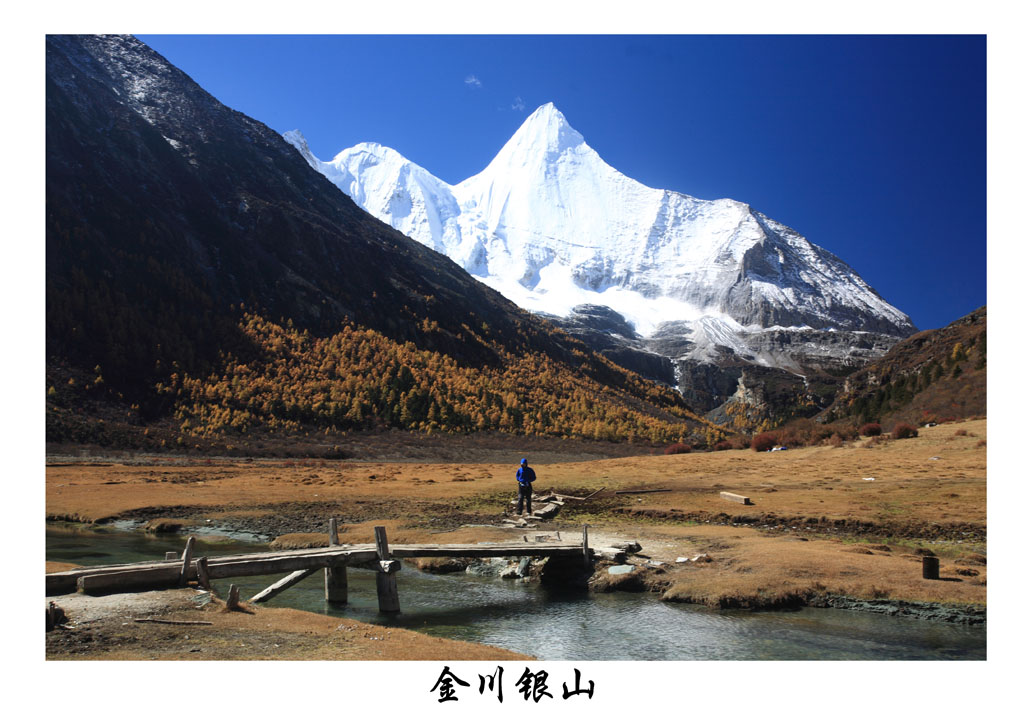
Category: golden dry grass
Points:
column 939, row 477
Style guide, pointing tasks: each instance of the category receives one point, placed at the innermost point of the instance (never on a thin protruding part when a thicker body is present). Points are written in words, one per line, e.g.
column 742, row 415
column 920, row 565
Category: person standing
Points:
column 525, row 476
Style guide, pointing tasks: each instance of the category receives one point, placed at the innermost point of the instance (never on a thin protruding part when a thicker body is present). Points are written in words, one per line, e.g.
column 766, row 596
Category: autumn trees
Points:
column 361, row 379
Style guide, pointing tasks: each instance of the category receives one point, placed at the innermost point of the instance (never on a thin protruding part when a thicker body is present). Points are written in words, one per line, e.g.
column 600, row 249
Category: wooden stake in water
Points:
column 203, row 573
column 336, row 584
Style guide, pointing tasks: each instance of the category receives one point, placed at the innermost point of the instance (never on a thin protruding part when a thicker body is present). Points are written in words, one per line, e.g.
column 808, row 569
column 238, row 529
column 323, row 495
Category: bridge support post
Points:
column 387, row 579
column 336, row 584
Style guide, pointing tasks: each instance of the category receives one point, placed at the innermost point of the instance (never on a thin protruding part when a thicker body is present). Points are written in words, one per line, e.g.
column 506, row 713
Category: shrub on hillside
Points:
column 763, row 442
column 961, row 433
column 678, row 448
column 739, row 442
column 835, row 440
column 871, row 429
column 723, row 445
column 903, row 431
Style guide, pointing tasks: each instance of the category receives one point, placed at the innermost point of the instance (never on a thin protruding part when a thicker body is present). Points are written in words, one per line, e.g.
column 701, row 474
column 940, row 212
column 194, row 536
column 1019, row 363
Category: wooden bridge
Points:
column 300, row 564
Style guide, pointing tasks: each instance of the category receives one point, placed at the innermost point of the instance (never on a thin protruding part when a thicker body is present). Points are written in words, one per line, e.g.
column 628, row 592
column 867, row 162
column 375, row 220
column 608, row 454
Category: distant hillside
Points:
column 201, row 275
column 933, row 375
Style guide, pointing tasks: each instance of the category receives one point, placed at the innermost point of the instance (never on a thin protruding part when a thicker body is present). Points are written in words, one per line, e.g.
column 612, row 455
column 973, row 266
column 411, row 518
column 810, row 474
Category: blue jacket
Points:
column 525, row 475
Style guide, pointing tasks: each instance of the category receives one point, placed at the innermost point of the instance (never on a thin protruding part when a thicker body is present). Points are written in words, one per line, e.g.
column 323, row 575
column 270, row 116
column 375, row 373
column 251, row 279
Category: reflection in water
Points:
column 560, row 625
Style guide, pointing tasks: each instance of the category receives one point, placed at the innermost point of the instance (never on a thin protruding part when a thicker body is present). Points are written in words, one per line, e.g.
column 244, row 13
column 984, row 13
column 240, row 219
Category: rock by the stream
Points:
column 628, row 578
column 963, row 614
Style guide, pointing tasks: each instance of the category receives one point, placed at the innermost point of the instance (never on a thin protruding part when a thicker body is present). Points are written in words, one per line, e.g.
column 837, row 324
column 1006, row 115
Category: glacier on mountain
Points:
column 553, row 227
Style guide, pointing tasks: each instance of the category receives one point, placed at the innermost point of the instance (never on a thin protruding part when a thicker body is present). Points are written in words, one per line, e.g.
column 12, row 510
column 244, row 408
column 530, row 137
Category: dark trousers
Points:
column 525, row 493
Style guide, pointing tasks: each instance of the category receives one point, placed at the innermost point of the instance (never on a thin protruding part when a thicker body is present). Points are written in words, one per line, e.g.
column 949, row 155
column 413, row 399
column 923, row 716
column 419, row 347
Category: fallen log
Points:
column 642, row 492
column 172, row 622
column 732, row 497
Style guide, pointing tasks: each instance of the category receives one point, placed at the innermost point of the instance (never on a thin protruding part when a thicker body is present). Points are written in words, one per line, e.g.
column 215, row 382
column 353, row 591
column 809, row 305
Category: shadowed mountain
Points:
column 185, row 239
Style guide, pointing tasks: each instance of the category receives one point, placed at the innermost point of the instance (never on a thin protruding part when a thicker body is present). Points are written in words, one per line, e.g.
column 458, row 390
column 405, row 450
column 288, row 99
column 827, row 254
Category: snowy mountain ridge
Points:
column 552, row 227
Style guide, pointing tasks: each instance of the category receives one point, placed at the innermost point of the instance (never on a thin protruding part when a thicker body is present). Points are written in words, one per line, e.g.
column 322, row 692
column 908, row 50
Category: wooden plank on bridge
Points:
column 104, row 579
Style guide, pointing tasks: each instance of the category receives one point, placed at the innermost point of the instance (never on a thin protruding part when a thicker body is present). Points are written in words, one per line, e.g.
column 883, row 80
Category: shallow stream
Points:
column 560, row 625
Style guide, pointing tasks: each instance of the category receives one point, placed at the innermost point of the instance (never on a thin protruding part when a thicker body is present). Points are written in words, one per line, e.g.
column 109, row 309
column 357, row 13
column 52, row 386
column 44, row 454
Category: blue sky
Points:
column 873, row 147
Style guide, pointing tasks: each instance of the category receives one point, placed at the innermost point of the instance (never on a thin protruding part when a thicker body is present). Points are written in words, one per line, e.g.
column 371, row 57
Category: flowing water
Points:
column 561, row 625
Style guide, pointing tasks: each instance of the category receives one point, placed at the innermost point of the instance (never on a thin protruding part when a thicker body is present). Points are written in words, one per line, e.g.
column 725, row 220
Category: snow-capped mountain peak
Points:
column 551, row 225
column 544, row 131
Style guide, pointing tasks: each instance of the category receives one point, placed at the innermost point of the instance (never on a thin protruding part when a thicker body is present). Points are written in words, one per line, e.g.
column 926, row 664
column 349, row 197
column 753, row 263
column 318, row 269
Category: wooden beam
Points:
column 186, row 561
column 735, row 498
column 100, row 582
column 232, row 601
column 332, row 531
column 170, row 555
column 380, row 538
column 281, row 585
column 586, row 550
column 640, row 492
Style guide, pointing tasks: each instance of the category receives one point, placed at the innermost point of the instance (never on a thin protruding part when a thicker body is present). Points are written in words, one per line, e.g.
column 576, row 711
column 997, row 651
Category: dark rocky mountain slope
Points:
column 175, row 226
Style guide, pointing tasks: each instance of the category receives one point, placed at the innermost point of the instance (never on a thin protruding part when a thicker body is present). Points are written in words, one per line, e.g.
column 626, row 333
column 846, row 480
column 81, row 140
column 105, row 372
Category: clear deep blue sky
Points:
column 872, row 147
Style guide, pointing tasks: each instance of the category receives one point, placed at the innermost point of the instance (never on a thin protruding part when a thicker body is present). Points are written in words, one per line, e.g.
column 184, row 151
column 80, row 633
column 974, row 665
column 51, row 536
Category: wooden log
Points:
column 127, row 581
column 641, row 492
column 186, row 561
column 592, row 494
column 336, row 584
column 586, row 547
column 274, row 565
column 281, row 585
column 735, row 498
column 203, row 573
column 232, row 601
column 332, row 531
column 546, row 512
column 155, row 577
column 172, row 622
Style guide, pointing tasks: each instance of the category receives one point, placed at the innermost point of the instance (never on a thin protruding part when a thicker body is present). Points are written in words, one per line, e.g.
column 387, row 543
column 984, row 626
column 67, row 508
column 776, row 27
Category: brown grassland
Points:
column 850, row 521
